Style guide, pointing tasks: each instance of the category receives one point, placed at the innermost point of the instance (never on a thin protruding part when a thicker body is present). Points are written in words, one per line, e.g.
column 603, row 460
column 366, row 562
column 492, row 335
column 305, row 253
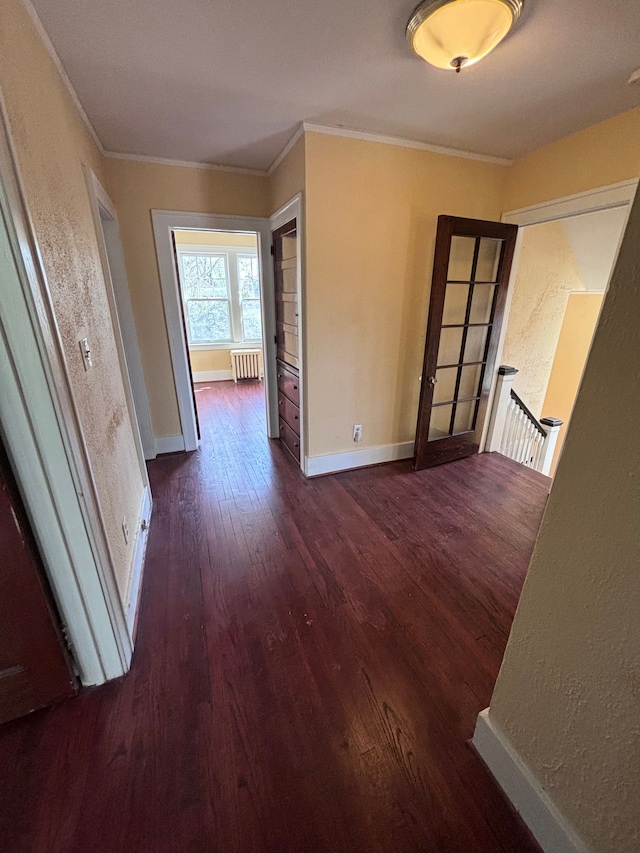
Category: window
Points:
column 249, row 286
column 221, row 294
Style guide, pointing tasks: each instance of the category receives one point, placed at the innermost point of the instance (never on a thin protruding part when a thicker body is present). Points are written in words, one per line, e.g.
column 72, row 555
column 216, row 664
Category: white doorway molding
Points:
column 620, row 195
column 43, row 436
column 115, row 275
column 165, row 222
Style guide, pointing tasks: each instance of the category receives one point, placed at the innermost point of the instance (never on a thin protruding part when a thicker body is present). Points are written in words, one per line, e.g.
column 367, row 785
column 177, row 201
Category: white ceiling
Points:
column 228, row 81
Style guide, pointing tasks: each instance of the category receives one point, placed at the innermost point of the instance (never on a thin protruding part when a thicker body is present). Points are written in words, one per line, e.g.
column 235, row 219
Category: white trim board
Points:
column 169, row 444
column 165, row 222
column 553, row 832
column 384, row 139
column 211, row 375
column 188, row 164
column 600, row 198
column 316, row 466
column 137, row 570
column 296, row 136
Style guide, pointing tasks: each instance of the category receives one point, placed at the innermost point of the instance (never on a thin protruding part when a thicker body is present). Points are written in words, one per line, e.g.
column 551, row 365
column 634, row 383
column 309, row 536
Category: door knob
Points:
column 432, row 380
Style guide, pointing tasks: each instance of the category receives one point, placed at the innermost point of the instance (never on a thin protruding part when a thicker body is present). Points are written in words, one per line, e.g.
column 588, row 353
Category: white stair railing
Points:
column 515, row 432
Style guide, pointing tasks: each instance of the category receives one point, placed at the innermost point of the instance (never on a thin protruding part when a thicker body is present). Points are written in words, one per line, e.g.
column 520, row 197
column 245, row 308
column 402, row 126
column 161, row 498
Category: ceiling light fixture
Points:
column 454, row 33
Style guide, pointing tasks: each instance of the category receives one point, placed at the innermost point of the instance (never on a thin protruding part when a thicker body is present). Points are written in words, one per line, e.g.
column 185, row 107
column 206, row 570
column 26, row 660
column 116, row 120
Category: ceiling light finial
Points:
column 455, row 33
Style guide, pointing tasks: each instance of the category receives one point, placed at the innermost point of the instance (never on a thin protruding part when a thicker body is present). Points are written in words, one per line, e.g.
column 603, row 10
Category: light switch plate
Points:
column 85, row 349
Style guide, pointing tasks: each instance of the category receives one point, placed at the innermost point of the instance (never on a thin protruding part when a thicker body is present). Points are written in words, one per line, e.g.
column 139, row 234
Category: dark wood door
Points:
column 34, row 670
column 285, row 270
column 471, row 272
column 285, row 266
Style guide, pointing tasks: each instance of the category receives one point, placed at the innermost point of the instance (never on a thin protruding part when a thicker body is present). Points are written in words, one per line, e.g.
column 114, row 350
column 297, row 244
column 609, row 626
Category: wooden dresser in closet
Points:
column 285, row 265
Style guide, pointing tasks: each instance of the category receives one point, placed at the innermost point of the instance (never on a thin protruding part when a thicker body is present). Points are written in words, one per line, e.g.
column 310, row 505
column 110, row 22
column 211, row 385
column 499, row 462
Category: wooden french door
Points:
column 471, row 272
column 34, row 671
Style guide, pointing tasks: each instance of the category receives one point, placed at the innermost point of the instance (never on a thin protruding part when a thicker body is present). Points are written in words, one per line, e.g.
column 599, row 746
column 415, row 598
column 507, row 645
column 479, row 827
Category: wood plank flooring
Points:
column 311, row 658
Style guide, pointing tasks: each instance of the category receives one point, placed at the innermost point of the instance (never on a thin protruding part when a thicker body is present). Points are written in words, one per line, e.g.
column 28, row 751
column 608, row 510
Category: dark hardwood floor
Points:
column 311, row 658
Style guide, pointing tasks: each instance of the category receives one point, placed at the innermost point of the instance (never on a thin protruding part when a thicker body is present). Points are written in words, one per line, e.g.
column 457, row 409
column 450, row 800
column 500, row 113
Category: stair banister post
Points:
column 501, row 400
column 552, row 428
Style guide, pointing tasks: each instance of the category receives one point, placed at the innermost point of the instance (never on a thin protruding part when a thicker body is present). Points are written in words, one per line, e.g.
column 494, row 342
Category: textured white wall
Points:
column 547, row 272
column 568, row 693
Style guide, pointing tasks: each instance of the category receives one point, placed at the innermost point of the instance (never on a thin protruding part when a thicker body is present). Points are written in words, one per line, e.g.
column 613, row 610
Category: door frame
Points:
column 43, row 437
column 611, row 196
column 293, row 209
column 105, row 220
column 164, row 223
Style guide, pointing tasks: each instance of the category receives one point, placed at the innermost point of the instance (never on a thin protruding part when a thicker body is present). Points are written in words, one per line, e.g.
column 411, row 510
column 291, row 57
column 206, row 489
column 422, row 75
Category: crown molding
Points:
column 349, row 133
column 164, row 161
column 35, row 18
column 296, row 136
column 305, row 126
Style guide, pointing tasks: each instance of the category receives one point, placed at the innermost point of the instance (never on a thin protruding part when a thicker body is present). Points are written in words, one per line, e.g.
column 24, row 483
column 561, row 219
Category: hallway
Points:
column 311, row 657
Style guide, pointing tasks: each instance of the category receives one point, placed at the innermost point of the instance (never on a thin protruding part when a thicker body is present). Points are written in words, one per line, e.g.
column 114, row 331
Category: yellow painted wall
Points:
column 371, row 214
column 546, row 273
column 136, row 189
column 576, row 334
column 567, row 694
column 210, row 359
column 52, row 147
column 289, row 178
column 603, row 154
column 215, row 238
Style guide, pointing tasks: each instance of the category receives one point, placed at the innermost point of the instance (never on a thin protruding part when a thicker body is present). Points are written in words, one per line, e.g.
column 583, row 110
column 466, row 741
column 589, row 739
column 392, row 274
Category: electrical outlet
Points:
column 357, row 432
column 125, row 529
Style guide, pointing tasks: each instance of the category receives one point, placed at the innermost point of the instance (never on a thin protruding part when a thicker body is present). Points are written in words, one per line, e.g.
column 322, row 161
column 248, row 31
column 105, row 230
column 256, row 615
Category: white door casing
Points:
column 602, row 198
column 165, row 222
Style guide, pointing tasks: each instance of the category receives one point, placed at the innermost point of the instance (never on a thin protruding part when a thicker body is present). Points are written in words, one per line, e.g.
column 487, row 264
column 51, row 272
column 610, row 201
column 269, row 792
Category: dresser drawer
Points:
column 288, row 384
column 289, row 412
column 290, row 440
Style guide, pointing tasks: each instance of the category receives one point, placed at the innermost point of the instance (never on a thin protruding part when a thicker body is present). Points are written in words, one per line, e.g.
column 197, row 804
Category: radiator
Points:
column 245, row 364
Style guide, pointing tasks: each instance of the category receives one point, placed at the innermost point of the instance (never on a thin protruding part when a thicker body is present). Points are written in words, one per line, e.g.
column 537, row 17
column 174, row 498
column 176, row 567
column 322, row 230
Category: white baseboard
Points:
column 169, row 443
column 317, row 465
column 551, row 829
column 211, row 375
column 135, row 585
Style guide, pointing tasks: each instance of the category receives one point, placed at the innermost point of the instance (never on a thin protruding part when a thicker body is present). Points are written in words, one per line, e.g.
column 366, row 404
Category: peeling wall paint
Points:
column 52, row 147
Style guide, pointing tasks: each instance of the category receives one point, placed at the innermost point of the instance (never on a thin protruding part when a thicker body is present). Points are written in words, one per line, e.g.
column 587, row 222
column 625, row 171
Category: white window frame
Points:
column 231, row 255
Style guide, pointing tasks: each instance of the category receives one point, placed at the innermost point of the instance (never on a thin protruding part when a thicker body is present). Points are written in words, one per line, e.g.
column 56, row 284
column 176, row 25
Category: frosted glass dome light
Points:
column 451, row 34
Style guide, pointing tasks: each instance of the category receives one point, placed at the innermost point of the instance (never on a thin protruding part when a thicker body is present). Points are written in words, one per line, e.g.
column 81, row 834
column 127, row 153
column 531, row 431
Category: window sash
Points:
column 232, row 256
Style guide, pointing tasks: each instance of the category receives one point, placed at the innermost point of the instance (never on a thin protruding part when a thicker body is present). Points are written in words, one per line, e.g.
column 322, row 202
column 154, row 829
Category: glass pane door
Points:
column 467, row 318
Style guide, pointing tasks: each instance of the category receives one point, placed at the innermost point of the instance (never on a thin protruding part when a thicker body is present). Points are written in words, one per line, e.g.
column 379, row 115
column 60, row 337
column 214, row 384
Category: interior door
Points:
column 471, row 272
column 34, row 670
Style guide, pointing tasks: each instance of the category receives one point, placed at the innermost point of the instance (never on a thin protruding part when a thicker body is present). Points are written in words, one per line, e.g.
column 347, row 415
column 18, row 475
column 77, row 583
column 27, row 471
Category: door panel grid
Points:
column 471, row 269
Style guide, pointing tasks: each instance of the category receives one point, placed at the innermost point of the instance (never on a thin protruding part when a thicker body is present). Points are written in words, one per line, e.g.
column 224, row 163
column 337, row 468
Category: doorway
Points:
column 564, row 259
column 165, row 226
column 219, row 277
